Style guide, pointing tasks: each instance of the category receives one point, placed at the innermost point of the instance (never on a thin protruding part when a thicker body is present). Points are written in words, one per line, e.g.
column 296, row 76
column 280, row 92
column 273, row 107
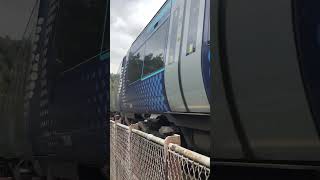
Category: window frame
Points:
column 167, row 23
column 192, row 30
column 129, row 60
column 142, row 77
column 172, row 43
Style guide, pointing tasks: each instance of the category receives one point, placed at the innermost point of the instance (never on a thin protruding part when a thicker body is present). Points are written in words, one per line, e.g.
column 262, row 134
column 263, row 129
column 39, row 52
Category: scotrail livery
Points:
column 167, row 69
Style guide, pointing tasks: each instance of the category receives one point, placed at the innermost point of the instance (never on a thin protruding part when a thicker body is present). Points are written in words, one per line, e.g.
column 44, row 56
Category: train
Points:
column 261, row 86
column 64, row 85
column 166, row 72
column 265, row 85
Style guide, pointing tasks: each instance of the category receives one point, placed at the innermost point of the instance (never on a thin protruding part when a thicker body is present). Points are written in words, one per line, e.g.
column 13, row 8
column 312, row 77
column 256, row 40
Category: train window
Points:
column 175, row 36
column 155, row 49
column 135, row 65
column 193, row 28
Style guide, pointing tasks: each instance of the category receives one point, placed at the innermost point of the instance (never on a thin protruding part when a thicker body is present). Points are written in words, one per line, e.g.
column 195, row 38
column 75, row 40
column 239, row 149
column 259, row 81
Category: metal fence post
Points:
column 192, row 164
column 174, row 139
column 134, row 126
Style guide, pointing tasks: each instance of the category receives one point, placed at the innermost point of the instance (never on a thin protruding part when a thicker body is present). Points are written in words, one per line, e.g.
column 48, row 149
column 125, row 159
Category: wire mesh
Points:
column 139, row 156
column 185, row 168
column 113, row 173
column 121, row 153
column 147, row 158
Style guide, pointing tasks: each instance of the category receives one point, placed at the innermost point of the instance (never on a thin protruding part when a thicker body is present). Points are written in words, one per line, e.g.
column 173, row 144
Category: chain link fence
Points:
column 135, row 155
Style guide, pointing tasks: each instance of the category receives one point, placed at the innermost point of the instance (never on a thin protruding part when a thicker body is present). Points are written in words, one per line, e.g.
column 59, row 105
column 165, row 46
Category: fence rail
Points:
column 135, row 155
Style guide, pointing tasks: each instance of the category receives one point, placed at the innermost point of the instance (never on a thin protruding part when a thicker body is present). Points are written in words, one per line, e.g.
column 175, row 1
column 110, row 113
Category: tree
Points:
column 114, row 87
column 12, row 52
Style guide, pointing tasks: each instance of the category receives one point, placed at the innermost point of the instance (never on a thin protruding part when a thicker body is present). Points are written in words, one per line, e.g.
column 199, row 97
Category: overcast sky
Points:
column 128, row 18
column 14, row 15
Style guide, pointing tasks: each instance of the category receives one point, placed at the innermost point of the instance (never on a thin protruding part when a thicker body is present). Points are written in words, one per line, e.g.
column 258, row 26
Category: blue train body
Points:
column 148, row 93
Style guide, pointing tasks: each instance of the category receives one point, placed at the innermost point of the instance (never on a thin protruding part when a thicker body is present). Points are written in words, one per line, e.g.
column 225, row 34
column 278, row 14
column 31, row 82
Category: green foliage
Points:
column 135, row 65
column 14, row 55
column 152, row 63
column 114, row 85
column 11, row 53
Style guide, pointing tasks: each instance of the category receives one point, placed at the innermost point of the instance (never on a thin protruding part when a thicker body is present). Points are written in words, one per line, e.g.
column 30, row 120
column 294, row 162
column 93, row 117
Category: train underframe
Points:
column 194, row 129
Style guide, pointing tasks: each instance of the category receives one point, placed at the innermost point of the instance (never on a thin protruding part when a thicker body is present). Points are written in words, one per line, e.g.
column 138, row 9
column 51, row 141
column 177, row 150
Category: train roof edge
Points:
column 166, row 4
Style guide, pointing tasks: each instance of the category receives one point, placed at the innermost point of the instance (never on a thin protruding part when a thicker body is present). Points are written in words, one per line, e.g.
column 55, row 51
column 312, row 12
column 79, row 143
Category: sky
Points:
column 14, row 15
column 127, row 20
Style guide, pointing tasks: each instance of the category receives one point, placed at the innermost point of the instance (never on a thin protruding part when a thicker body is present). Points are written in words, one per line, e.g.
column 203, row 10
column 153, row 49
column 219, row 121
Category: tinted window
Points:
column 193, row 28
column 174, row 34
column 135, row 65
column 155, row 49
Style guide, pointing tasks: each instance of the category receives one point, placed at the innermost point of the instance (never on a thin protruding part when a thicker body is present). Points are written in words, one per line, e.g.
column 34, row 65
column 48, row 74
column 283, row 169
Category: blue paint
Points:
column 104, row 56
column 146, row 96
column 206, row 54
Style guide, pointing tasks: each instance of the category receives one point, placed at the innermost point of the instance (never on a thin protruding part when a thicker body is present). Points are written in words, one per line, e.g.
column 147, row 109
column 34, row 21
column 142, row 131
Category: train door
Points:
column 191, row 66
column 172, row 79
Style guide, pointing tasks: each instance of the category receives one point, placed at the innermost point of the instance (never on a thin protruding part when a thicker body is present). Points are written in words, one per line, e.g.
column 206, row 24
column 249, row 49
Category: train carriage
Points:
column 69, row 107
column 266, row 83
column 167, row 68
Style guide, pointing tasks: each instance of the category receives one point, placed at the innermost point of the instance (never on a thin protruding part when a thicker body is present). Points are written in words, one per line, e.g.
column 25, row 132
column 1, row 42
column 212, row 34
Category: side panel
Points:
column 224, row 132
column 171, row 75
column 69, row 105
column 206, row 66
column 145, row 96
column 191, row 67
column 143, row 88
column 77, row 114
column 268, row 96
